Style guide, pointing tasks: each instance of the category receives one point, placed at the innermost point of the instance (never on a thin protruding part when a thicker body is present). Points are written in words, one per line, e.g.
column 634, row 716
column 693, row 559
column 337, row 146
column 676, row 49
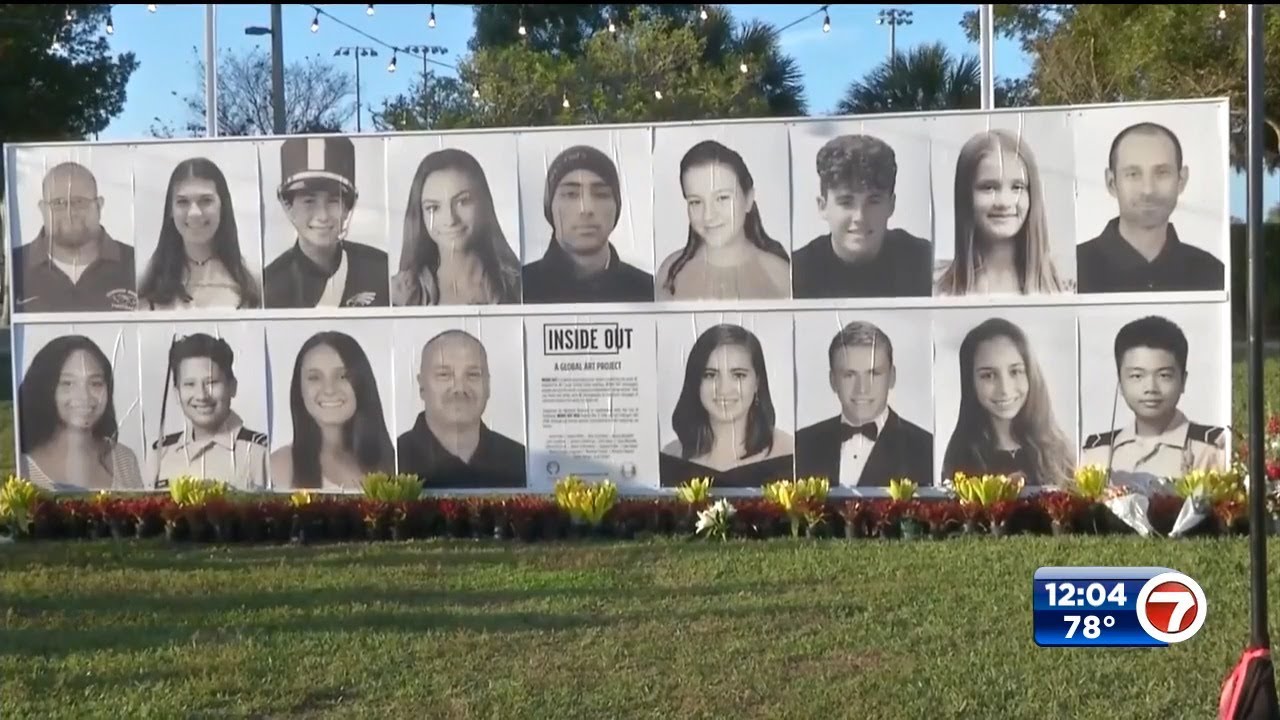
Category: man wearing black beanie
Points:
column 583, row 202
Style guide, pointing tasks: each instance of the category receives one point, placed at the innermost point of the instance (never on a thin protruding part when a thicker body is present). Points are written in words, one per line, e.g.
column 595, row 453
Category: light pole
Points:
column 357, row 51
column 210, row 68
column 277, row 68
column 986, row 22
column 893, row 17
column 426, row 51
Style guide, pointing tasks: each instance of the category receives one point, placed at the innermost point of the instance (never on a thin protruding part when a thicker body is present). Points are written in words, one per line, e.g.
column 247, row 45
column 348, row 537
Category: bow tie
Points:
column 869, row 430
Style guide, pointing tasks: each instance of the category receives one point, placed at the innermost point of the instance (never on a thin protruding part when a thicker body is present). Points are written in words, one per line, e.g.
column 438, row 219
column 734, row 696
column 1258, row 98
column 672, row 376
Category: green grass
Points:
column 662, row 629
column 659, row 629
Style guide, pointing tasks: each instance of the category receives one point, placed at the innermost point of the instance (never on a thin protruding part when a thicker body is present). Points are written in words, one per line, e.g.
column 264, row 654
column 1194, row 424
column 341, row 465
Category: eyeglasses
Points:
column 78, row 203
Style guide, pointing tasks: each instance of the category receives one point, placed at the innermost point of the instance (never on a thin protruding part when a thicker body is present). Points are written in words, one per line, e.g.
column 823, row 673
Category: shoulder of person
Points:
column 506, row 444
column 783, row 443
column 166, row 441
column 366, row 253
column 1101, row 439
column 281, row 462
column 636, row 274
column 673, row 448
column 1215, row 435
column 252, row 436
column 774, row 264
column 1201, row 257
column 908, row 242
column 911, row 430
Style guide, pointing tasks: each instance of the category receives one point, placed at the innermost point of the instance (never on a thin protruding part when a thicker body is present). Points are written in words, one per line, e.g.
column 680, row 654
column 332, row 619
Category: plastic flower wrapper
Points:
column 1131, row 507
column 714, row 520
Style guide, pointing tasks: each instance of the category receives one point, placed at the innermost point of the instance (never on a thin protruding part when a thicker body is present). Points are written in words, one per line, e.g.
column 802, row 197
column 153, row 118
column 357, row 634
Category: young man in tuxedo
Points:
column 868, row 443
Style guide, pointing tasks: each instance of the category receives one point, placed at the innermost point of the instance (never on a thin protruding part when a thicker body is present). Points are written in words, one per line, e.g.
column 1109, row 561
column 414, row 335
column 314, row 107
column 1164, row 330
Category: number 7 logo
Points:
column 1171, row 607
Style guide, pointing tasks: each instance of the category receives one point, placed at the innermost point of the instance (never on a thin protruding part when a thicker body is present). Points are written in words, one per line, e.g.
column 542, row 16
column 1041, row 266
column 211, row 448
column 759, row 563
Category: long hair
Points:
column 162, row 281
column 690, row 419
column 365, row 435
column 704, row 153
column 37, row 406
column 421, row 252
column 1034, row 427
column 1036, row 272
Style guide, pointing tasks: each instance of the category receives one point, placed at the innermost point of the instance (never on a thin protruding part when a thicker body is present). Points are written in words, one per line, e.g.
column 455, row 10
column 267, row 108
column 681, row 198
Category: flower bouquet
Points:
column 714, row 521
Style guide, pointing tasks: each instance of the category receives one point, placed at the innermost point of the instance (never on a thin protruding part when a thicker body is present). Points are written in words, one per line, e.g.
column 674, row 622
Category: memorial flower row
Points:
column 392, row 507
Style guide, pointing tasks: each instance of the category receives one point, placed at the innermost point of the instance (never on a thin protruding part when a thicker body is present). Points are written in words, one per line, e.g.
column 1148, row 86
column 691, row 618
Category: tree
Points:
column 58, row 78
column 561, row 30
column 316, row 95
column 1126, row 53
column 756, row 42
column 926, row 78
column 435, row 102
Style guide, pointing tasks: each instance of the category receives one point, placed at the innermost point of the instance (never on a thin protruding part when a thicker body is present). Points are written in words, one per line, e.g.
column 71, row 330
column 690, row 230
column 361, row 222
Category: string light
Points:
column 1222, row 12
column 703, row 14
column 612, row 27
column 431, row 19
column 565, row 104
column 151, row 8
column 111, row 27
column 826, row 22
column 476, row 93
column 369, row 10
column 742, row 67
column 391, row 66
column 67, row 15
column 315, row 24
column 657, row 94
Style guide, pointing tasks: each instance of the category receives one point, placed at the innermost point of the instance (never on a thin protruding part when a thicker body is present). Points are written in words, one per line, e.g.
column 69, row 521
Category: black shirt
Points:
column 293, row 280
column 553, row 279
column 902, row 268
column 497, row 462
column 108, row 283
column 1108, row 263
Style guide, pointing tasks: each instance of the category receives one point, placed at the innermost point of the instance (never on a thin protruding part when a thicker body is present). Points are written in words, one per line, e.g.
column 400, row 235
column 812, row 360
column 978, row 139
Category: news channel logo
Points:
column 1116, row 607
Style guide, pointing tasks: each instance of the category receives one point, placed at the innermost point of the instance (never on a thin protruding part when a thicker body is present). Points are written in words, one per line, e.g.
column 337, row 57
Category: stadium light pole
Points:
column 357, row 51
column 893, row 17
column 277, row 67
column 986, row 22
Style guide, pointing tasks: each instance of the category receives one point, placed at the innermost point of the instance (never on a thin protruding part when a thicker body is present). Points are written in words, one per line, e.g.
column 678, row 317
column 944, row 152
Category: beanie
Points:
column 581, row 157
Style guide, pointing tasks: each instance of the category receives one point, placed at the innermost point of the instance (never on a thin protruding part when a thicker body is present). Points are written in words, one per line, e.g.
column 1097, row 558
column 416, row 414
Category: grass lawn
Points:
column 763, row 629
column 658, row 629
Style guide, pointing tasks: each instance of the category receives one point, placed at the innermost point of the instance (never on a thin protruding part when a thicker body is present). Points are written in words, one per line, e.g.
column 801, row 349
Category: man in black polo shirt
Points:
column 583, row 202
column 861, row 256
column 449, row 445
column 1140, row 251
column 323, row 268
column 73, row 265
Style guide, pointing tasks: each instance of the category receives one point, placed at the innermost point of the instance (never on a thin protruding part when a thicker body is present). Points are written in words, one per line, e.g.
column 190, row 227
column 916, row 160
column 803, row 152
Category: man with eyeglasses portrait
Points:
column 73, row 264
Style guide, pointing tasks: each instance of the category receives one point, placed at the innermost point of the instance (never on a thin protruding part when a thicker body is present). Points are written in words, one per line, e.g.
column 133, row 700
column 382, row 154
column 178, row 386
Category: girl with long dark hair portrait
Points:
column 197, row 262
column 725, row 420
column 1001, row 231
column 67, row 420
column 454, row 251
column 728, row 254
column 1006, row 423
column 339, row 431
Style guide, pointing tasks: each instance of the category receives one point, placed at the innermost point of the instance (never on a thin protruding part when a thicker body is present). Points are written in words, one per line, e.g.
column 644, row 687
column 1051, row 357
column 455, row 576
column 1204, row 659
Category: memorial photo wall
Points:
column 856, row 298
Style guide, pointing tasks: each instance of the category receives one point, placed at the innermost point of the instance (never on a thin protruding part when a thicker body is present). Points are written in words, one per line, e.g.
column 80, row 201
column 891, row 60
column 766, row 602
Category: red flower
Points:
column 1273, row 469
column 1273, row 425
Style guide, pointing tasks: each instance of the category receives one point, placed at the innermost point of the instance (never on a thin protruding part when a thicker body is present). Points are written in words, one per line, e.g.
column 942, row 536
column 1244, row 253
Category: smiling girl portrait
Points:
column 454, row 252
column 198, row 262
column 1001, row 227
column 1006, row 423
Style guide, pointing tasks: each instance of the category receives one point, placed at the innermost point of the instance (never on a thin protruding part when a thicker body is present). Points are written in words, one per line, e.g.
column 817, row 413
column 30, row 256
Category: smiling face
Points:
column 1000, row 378
column 1001, row 197
column 454, row 380
column 716, row 203
column 858, row 219
column 729, row 384
column 1151, row 383
column 1147, row 180
column 204, row 392
column 318, row 213
column 861, row 377
column 326, row 390
column 196, row 210
column 449, row 208
column 81, row 395
column 584, row 212
column 70, row 207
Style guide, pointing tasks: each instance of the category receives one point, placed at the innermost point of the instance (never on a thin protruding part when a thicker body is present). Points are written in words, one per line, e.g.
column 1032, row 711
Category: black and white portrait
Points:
column 204, row 402
column 722, row 209
column 73, row 230
column 332, row 418
column 863, row 217
column 460, row 401
column 864, row 389
column 79, row 421
column 727, row 397
column 456, row 205
column 1159, row 396
column 198, row 215
column 327, row 222
column 1005, row 393
column 1003, row 189
column 1152, row 207
column 587, row 215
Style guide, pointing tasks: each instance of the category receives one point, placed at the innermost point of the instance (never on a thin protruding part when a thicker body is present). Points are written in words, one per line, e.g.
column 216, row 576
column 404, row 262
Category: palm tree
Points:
column 925, row 78
column 755, row 43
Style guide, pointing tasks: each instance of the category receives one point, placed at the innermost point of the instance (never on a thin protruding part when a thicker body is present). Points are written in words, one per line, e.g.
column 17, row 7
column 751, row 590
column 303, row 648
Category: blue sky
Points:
column 168, row 42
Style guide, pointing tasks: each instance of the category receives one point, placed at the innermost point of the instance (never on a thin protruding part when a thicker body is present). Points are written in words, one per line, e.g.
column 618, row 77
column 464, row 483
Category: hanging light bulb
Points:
column 565, row 104
column 475, row 93
column 521, row 29
column 391, row 66
column 826, row 22
column 431, row 19
column 151, row 8
column 612, row 27
column 369, row 10
column 703, row 14
column 67, row 15
column 1222, row 12
column 657, row 94
column 111, row 27
column 315, row 24
column 742, row 67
